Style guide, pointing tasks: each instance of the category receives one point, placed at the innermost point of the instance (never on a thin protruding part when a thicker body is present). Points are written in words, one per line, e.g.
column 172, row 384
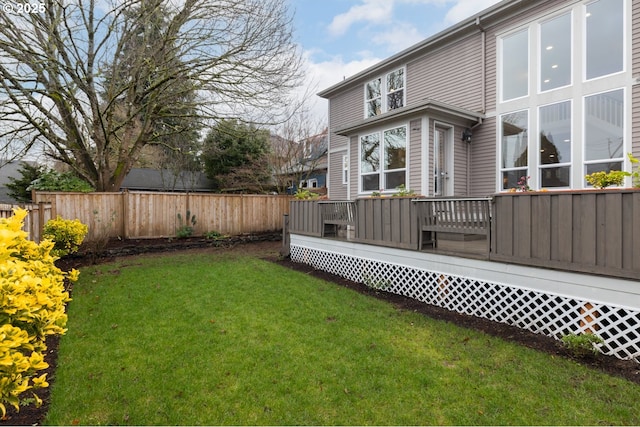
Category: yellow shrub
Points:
column 67, row 235
column 32, row 306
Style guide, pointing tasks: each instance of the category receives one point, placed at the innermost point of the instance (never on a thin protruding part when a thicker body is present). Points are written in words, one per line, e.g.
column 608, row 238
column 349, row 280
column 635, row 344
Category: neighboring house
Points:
column 7, row 171
column 545, row 89
column 165, row 180
column 312, row 166
column 302, row 164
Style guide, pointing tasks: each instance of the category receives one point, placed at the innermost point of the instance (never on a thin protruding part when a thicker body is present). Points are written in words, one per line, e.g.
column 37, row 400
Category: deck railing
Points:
column 584, row 231
column 587, row 231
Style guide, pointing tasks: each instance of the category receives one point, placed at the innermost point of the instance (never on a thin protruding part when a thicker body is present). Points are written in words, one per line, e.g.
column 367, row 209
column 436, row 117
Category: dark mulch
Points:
column 267, row 246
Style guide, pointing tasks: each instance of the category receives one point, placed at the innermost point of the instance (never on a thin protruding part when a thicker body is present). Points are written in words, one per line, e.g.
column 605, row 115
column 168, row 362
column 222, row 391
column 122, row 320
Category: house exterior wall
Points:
column 449, row 74
column 460, row 67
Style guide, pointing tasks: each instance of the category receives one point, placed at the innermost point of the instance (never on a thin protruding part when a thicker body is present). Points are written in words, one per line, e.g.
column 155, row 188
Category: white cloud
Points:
column 398, row 37
column 325, row 74
column 368, row 11
column 466, row 8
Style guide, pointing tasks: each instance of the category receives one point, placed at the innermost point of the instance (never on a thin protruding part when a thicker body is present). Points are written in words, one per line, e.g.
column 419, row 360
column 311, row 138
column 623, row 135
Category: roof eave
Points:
column 428, row 105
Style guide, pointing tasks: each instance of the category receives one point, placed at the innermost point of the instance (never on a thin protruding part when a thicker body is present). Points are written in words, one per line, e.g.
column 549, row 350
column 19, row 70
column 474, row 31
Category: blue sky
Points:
column 339, row 38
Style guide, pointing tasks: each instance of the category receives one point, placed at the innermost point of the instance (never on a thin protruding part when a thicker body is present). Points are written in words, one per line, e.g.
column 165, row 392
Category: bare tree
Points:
column 92, row 83
column 298, row 150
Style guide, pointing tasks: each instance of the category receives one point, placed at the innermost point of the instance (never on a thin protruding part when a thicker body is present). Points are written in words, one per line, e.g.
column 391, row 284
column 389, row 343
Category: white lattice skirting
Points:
column 542, row 301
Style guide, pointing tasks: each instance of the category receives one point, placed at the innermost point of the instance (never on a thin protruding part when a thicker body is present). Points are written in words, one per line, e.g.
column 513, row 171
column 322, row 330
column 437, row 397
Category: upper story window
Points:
column 565, row 81
column 515, row 65
column 555, row 53
column 604, row 38
column 385, row 94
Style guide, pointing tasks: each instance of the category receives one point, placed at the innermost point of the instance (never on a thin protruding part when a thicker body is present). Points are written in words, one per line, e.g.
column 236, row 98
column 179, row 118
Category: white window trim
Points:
column 345, row 169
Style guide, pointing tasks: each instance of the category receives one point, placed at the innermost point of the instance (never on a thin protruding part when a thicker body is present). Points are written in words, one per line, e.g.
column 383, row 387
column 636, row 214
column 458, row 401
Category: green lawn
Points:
column 213, row 339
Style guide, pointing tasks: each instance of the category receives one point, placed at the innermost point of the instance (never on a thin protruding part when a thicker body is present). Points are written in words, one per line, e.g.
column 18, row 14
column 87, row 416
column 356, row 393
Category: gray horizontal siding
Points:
column 448, row 74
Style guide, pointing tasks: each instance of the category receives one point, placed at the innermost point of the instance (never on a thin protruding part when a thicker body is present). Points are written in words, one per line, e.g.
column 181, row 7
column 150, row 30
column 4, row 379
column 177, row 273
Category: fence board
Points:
column 37, row 215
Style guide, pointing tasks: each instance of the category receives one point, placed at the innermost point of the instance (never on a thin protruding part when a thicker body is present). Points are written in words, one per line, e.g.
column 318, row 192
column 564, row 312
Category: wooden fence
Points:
column 37, row 215
column 139, row 214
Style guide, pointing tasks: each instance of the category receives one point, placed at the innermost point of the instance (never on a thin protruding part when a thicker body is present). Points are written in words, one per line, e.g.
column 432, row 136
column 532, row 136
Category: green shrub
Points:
column 606, row 179
column 403, row 191
column 635, row 175
column 32, row 306
column 214, row 235
column 582, row 345
column 56, row 181
column 306, row 195
column 185, row 229
column 67, row 235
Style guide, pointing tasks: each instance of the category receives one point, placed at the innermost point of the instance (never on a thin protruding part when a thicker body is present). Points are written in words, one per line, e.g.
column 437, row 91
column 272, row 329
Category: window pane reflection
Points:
column 555, row 53
column 605, row 37
column 515, row 65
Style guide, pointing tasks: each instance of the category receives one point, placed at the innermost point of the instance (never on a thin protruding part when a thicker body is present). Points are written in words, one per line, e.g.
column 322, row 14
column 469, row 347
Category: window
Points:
column 395, row 89
column 555, row 53
column 373, row 98
column 345, row 169
column 604, row 131
column 515, row 65
column 395, row 151
column 604, row 38
column 555, row 145
column 515, row 148
column 309, row 183
column 386, row 94
column 564, row 93
column 390, row 146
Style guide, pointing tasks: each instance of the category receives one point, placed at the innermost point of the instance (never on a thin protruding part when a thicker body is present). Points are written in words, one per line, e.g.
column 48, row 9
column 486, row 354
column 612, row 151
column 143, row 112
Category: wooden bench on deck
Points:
column 452, row 215
column 335, row 214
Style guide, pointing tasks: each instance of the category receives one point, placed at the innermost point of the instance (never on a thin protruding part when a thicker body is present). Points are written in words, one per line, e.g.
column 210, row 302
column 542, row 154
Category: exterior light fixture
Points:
column 466, row 135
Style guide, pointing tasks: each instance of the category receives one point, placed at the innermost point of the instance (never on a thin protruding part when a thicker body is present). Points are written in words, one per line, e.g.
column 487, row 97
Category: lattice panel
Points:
column 538, row 312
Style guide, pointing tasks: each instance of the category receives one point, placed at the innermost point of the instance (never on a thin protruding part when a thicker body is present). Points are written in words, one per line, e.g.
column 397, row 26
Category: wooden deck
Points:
column 588, row 231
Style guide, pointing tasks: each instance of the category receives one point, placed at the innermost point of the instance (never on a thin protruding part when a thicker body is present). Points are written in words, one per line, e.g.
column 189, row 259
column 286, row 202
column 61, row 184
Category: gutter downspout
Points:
column 483, row 89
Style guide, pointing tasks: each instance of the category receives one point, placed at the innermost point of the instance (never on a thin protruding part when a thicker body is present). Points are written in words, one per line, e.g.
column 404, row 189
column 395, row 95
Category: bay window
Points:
column 383, row 159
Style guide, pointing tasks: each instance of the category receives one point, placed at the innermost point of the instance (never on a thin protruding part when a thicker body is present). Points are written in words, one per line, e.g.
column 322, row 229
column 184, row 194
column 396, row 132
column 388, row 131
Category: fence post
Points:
column 286, row 237
column 41, row 222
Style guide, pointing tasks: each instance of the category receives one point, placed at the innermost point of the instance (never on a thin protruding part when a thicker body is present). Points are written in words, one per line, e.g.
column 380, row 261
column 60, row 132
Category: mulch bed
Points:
column 267, row 246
